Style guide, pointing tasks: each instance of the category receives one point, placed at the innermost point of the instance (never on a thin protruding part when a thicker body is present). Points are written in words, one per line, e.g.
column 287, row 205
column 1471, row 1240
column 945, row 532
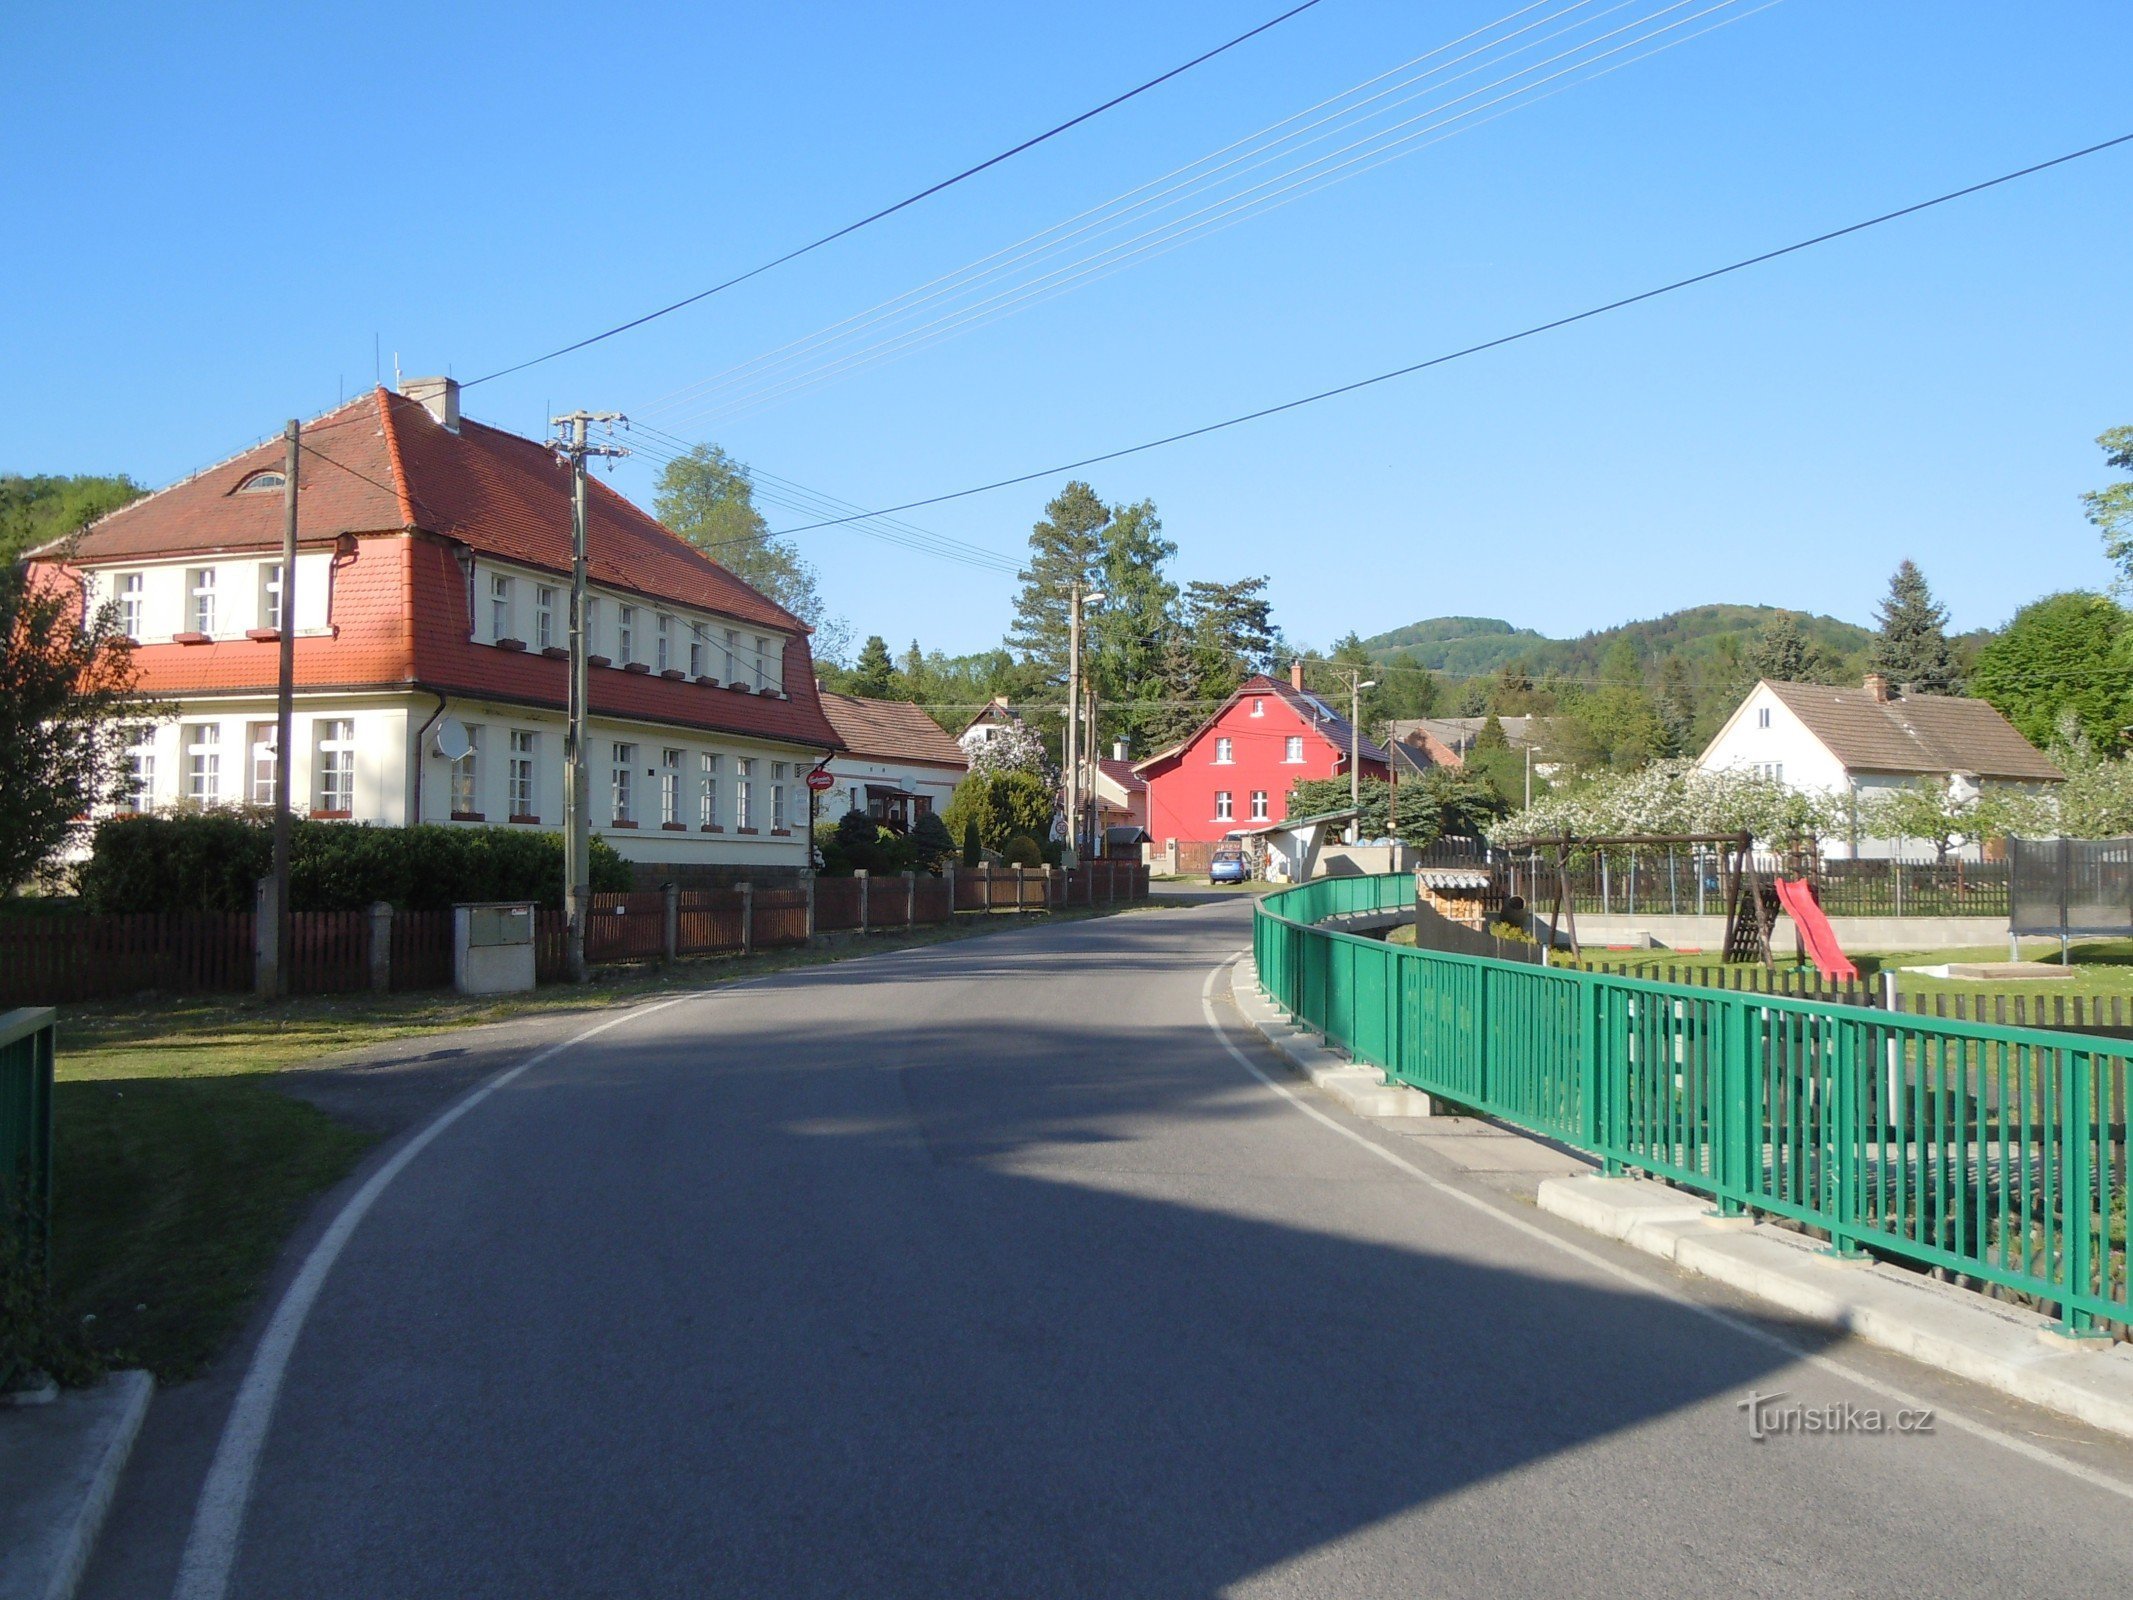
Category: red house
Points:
column 1235, row 770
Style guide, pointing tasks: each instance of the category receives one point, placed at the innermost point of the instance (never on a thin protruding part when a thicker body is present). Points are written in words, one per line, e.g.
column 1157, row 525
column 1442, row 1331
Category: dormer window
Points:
column 268, row 482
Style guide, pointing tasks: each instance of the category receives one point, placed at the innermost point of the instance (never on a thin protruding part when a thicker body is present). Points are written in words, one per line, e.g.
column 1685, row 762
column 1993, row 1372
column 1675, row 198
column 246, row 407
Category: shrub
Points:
column 931, row 842
column 212, row 861
column 973, row 850
column 1002, row 804
column 1023, row 851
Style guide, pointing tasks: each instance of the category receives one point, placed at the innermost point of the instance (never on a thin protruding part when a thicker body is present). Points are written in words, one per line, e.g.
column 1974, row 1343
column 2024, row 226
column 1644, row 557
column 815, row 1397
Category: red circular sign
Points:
column 819, row 781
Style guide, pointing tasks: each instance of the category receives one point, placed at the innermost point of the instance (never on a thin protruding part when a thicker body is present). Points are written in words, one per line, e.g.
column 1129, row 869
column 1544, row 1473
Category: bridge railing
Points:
column 26, row 1131
column 1996, row 1154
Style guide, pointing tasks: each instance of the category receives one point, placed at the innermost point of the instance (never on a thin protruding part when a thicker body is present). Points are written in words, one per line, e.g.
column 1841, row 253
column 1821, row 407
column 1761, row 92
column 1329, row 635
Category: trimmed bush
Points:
column 212, row 861
column 1023, row 851
column 1002, row 804
column 931, row 842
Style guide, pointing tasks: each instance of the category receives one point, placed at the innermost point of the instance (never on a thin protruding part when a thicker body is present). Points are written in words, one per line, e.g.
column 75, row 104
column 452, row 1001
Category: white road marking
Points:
column 218, row 1520
column 1622, row 1274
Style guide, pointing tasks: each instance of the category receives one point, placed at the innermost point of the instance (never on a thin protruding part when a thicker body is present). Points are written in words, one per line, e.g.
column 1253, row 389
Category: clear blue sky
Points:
column 215, row 216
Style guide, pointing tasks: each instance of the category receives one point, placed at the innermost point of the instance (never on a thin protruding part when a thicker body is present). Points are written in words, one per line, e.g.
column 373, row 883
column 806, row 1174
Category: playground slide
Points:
column 1817, row 938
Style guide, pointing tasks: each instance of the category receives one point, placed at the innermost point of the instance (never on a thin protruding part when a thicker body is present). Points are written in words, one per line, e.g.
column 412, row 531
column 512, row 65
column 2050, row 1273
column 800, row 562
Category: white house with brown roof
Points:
column 1816, row 738
column 897, row 763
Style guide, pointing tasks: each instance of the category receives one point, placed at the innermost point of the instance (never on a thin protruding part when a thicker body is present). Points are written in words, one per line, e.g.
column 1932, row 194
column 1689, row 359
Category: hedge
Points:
column 213, row 860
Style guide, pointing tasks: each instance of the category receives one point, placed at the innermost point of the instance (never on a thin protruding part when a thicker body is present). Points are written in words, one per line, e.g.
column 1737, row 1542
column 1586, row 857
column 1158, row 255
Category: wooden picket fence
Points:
column 74, row 957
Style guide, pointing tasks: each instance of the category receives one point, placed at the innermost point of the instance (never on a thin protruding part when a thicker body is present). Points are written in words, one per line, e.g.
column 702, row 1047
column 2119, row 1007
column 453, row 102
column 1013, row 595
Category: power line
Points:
column 910, row 200
column 920, row 295
column 1295, row 181
column 1486, row 345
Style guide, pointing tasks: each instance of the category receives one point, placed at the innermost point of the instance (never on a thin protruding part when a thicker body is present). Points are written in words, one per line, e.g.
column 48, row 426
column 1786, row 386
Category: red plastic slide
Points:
column 1816, row 935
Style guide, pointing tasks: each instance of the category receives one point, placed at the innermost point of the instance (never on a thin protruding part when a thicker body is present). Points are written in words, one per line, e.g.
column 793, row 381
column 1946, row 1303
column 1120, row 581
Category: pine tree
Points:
column 873, row 674
column 1066, row 547
column 1677, row 704
column 1912, row 648
column 1781, row 652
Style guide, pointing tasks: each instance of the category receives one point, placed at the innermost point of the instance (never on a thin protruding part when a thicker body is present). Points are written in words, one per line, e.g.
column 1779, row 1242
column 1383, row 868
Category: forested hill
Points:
column 1472, row 646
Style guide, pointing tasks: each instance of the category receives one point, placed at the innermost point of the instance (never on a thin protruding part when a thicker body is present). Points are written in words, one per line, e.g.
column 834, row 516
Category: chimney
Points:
column 1296, row 673
column 1118, row 750
column 438, row 396
column 1877, row 686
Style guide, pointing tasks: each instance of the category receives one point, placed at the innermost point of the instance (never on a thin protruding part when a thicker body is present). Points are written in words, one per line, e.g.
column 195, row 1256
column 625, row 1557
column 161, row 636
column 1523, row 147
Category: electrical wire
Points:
column 908, row 201
column 1007, row 255
column 1581, row 63
column 1499, row 342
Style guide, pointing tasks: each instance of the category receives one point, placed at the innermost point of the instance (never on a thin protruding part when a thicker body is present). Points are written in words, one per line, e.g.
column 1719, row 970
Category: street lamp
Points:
column 1075, row 601
column 1357, row 683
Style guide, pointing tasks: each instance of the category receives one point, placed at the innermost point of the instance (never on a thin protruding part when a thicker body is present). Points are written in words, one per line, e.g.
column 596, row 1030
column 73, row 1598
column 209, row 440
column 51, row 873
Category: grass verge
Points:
column 179, row 1168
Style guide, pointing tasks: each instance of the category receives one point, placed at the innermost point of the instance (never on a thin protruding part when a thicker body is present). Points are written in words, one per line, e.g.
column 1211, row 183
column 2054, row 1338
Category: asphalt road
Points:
column 988, row 1270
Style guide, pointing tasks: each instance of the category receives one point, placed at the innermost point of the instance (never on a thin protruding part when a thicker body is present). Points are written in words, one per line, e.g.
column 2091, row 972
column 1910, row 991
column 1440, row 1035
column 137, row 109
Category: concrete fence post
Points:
column 987, row 870
column 266, row 951
column 747, row 916
column 381, row 945
column 910, row 899
column 865, row 892
column 1048, row 881
column 810, row 907
column 673, row 927
column 953, row 908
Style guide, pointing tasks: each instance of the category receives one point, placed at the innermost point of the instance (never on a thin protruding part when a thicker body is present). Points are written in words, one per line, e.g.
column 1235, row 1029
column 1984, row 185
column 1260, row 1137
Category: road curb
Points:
column 61, row 1464
column 1954, row 1330
column 1362, row 1090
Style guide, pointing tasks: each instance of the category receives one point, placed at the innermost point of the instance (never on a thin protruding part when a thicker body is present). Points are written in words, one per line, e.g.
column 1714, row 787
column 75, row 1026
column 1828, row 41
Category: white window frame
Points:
column 669, row 786
column 762, row 662
column 662, row 642
column 1259, row 805
column 625, row 635
column 258, row 766
column 743, row 793
column 733, row 655
column 466, row 778
column 500, row 607
column 1762, row 716
column 1259, row 705
column 696, row 649
column 130, row 590
column 1224, row 806
column 544, row 616
column 203, row 763
column 1292, row 752
column 779, row 771
column 140, row 759
column 273, row 588
column 200, row 601
column 524, row 773
column 334, row 780
column 622, row 773
column 707, row 790
column 1225, row 753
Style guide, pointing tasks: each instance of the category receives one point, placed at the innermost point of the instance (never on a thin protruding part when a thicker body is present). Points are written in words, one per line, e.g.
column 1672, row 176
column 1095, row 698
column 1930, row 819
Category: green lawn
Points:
column 2101, row 967
column 179, row 1168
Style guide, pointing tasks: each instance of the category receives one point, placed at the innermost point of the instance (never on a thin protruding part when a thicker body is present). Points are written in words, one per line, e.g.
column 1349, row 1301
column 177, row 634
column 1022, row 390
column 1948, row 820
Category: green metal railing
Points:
column 1997, row 1154
column 26, row 1127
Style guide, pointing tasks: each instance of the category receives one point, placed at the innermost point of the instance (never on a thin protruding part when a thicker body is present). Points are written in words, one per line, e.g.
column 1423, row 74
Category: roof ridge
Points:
column 193, row 476
column 390, row 427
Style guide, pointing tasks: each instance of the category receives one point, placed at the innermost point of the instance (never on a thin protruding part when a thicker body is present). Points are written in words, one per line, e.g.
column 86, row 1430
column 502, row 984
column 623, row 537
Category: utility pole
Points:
column 1075, row 601
column 571, row 445
column 273, row 974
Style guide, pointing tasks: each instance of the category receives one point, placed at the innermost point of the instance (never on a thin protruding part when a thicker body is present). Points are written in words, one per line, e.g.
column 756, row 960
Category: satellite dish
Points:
column 451, row 739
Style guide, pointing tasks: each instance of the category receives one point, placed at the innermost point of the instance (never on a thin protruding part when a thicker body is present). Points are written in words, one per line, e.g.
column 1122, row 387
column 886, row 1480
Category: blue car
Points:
column 1228, row 865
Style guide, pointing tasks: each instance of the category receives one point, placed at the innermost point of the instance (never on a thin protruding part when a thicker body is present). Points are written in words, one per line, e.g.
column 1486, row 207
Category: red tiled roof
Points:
column 1122, row 774
column 382, row 462
column 895, row 730
column 383, row 467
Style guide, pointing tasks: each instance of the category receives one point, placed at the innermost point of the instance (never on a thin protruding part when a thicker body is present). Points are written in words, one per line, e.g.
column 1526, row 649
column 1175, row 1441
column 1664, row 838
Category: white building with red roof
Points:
column 897, row 763
column 432, row 598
